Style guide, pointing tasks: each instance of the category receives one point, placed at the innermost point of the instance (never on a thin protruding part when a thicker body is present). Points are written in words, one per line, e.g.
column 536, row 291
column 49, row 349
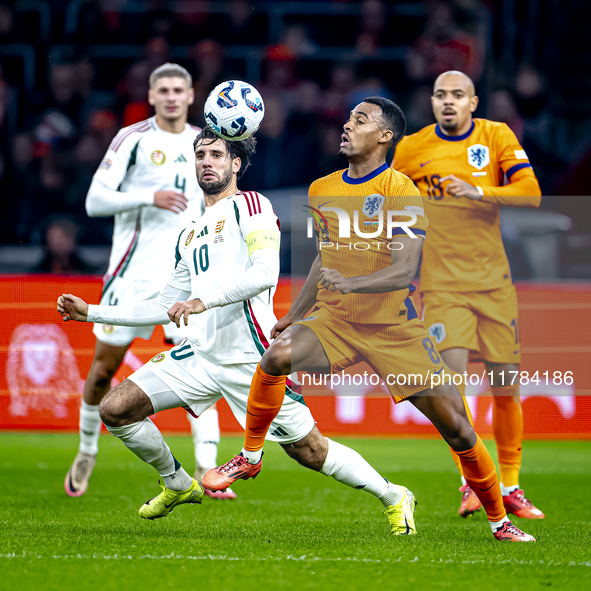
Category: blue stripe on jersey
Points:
column 517, row 167
column 411, row 311
column 367, row 177
column 401, row 232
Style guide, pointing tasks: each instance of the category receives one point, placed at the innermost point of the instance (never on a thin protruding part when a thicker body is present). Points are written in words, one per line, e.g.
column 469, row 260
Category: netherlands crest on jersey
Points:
column 373, row 205
column 437, row 331
column 478, row 156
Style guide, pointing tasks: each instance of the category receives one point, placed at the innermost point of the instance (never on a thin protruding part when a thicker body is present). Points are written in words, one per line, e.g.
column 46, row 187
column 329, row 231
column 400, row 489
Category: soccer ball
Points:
column 234, row 110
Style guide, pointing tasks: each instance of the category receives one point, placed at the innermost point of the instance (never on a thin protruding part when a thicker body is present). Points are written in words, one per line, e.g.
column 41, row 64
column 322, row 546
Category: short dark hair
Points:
column 243, row 149
column 392, row 116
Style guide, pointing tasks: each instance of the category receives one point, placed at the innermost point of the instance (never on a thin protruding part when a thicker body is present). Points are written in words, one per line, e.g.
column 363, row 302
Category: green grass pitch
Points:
column 289, row 529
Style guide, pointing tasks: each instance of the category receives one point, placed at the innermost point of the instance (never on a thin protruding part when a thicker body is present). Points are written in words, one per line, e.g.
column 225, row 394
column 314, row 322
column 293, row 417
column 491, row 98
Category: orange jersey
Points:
column 465, row 250
column 367, row 199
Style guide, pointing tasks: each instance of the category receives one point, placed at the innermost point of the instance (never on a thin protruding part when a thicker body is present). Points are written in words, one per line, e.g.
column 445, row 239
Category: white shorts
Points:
column 123, row 291
column 199, row 383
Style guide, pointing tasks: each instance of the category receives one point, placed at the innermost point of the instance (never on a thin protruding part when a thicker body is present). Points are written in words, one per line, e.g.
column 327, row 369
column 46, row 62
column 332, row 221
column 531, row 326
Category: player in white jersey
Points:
column 222, row 285
column 147, row 182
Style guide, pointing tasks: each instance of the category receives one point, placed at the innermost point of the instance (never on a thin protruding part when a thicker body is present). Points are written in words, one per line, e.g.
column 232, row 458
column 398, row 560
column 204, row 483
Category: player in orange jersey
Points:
column 363, row 312
column 466, row 169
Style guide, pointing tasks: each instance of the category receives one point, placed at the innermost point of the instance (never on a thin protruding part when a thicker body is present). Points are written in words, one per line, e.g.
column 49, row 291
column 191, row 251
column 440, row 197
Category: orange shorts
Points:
column 403, row 355
column 485, row 322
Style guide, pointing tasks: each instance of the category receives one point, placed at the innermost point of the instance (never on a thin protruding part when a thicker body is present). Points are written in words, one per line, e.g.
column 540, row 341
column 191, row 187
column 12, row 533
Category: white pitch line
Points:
column 288, row 558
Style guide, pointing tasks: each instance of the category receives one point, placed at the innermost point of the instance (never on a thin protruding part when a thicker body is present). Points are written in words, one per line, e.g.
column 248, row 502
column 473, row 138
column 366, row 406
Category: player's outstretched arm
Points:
column 72, row 308
column 398, row 275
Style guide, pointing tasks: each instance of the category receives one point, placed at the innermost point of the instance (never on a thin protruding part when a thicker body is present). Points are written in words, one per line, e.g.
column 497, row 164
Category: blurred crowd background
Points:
column 72, row 72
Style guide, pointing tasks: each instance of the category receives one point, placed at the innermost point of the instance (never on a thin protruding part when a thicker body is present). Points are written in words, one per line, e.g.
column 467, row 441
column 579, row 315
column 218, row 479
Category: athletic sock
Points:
column 253, row 457
column 481, row 475
column 495, row 525
column 507, row 490
column 508, row 432
column 348, row 467
column 454, row 455
column 90, row 428
column 264, row 402
column 206, row 437
column 145, row 441
column 178, row 481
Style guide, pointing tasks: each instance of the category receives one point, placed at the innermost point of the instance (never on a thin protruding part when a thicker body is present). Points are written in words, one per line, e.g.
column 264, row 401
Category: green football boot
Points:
column 401, row 515
column 167, row 500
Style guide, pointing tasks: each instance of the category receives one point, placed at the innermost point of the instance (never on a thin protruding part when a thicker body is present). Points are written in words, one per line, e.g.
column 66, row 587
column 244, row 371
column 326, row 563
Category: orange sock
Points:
column 454, row 455
column 481, row 475
column 264, row 402
column 508, row 432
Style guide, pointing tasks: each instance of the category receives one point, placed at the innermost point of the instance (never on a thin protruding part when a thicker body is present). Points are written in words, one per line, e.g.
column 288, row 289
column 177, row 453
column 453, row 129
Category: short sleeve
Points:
column 512, row 156
column 411, row 203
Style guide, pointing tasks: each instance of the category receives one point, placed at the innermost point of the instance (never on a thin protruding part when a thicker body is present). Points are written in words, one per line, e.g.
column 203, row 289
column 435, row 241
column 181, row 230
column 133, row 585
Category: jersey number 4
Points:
column 180, row 183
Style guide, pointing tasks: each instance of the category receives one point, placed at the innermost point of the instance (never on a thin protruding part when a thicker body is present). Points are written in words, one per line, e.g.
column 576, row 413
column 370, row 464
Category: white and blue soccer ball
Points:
column 234, row 110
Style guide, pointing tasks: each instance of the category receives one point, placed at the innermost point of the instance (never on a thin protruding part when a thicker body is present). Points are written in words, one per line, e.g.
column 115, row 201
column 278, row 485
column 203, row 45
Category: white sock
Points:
column 146, row 442
column 206, row 436
column 178, row 481
column 253, row 457
column 495, row 525
column 507, row 490
column 90, row 428
column 348, row 467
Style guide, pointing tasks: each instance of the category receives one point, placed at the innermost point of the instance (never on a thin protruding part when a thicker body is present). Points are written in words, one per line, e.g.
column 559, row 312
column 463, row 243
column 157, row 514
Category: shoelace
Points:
column 521, row 498
column 232, row 464
column 511, row 529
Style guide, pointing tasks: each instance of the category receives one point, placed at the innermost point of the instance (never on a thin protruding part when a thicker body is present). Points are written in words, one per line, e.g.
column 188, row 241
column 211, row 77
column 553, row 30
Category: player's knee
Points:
column 277, row 360
column 462, row 436
column 111, row 410
column 102, row 374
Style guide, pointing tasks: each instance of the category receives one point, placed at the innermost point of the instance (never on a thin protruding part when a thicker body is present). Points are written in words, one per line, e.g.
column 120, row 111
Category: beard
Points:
column 449, row 125
column 215, row 187
column 343, row 155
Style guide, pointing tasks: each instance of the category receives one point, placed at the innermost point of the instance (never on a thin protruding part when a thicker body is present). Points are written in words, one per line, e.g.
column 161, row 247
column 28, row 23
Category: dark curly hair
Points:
column 243, row 149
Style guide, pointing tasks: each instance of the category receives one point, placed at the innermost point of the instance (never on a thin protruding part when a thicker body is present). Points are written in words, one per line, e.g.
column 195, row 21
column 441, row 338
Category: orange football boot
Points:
column 509, row 533
column 470, row 502
column 517, row 504
column 224, row 476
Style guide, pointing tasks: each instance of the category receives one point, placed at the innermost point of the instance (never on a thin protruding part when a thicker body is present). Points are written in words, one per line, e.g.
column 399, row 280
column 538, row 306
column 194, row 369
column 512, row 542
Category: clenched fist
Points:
column 72, row 308
column 334, row 281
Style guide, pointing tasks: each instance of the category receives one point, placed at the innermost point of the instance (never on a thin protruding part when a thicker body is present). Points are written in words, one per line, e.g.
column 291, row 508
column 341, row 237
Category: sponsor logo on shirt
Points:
column 106, row 164
column 415, row 209
column 521, row 155
column 181, row 158
column 158, row 157
column 478, row 156
column 189, row 237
